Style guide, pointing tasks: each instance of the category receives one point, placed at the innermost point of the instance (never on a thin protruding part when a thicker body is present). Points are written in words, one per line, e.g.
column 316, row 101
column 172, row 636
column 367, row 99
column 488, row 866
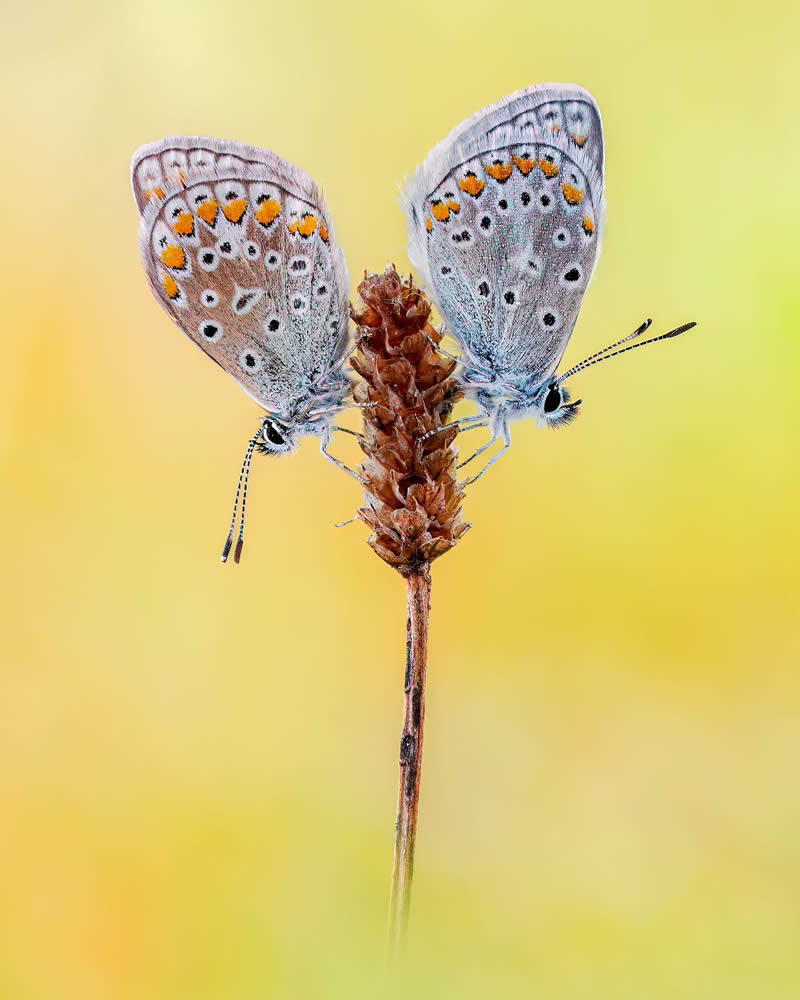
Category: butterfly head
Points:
column 551, row 405
column 277, row 437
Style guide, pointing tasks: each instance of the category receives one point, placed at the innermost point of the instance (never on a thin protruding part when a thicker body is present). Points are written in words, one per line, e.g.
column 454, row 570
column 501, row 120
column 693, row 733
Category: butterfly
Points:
column 505, row 220
column 239, row 248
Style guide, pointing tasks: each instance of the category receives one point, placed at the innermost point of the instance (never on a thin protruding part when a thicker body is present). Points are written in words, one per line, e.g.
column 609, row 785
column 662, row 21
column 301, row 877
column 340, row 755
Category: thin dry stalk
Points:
column 412, row 504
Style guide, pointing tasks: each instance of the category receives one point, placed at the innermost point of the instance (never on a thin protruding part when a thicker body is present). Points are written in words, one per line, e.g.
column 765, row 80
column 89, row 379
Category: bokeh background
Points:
column 198, row 762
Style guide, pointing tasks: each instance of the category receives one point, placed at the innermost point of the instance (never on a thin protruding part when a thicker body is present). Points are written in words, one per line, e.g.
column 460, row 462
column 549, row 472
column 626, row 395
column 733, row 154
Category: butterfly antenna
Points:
column 604, row 356
column 243, row 477
column 631, row 336
column 237, row 555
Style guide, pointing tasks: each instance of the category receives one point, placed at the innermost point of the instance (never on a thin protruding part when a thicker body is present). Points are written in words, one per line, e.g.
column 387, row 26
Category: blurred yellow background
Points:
column 198, row 762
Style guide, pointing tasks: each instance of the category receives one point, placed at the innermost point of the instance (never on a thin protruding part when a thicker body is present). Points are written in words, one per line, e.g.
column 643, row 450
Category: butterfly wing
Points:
column 505, row 222
column 238, row 247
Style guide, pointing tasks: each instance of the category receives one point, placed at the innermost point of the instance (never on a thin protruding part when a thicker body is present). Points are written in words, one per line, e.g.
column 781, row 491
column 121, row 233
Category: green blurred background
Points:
column 198, row 762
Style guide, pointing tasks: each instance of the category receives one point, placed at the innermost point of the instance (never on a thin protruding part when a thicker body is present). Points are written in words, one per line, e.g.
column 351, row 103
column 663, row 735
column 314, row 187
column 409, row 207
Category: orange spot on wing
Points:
column 472, row 185
column 171, row 287
column 555, row 128
column 580, row 140
column 572, row 195
column 234, row 210
column 499, row 171
column 268, row 211
column 323, row 232
column 454, row 207
column 548, row 169
column 307, row 225
column 174, row 257
column 428, row 223
column 588, row 225
column 293, row 226
column 184, row 226
column 524, row 164
column 440, row 211
column 157, row 192
column 207, row 211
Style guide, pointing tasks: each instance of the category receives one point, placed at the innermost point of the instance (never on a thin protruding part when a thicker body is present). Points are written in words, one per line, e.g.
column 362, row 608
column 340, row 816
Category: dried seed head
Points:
column 412, row 496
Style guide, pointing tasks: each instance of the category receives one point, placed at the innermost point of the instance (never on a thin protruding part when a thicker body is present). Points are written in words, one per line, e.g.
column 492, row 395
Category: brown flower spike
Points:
column 412, row 503
column 413, row 500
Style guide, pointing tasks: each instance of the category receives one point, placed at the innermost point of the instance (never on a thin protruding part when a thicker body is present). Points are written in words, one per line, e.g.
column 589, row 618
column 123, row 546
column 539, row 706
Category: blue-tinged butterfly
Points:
column 238, row 246
column 506, row 218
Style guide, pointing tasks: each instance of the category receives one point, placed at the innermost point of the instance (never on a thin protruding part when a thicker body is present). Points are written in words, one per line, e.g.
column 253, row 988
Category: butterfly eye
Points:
column 272, row 434
column 552, row 400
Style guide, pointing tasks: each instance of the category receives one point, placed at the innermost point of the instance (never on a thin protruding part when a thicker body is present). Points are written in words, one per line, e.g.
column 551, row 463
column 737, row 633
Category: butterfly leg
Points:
column 460, row 424
column 503, row 431
column 439, row 349
column 324, row 444
column 480, row 451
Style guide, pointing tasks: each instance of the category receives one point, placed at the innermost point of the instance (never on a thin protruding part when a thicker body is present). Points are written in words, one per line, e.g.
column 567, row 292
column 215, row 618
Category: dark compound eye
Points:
column 552, row 400
column 272, row 434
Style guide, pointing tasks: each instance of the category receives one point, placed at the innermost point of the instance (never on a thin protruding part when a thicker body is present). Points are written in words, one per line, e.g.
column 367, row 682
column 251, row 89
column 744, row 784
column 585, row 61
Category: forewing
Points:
column 505, row 224
column 238, row 247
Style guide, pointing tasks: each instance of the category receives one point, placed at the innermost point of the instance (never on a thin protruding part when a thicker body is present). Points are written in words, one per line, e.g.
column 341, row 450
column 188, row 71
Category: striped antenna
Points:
column 603, row 355
column 241, row 490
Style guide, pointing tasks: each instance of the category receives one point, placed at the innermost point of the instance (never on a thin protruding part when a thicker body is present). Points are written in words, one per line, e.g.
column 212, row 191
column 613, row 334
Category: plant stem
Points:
column 419, row 609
